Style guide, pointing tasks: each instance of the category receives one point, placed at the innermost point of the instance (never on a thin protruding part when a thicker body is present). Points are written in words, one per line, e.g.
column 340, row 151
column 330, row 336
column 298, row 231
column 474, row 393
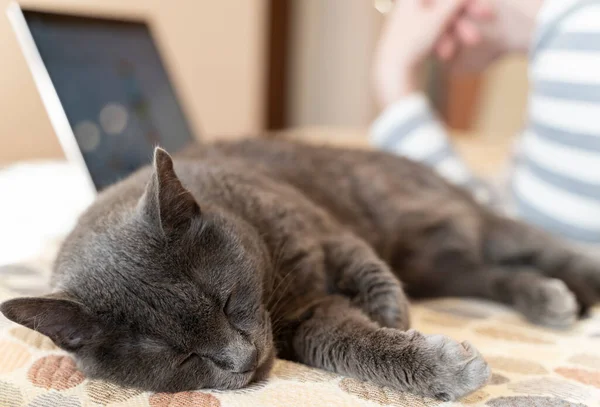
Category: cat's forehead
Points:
column 126, row 271
column 146, row 304
column 136, row 259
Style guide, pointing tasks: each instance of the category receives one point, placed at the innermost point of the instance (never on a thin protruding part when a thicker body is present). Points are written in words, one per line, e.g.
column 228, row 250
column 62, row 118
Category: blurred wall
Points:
column 214, row 52
column 332, row 43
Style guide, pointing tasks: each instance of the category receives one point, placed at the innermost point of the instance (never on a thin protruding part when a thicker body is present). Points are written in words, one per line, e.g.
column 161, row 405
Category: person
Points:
column 555, row 178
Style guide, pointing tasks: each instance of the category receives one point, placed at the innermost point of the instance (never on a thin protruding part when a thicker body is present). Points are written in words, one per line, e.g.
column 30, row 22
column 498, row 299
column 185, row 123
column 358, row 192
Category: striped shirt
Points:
column 555, row 178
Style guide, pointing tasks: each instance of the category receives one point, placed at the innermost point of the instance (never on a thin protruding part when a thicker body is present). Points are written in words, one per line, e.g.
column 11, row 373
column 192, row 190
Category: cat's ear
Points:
column 62, row 320
column 166, row 201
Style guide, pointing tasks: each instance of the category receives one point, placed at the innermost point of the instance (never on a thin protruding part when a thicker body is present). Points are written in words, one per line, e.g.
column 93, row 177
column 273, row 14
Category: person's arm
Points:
column 408, row 126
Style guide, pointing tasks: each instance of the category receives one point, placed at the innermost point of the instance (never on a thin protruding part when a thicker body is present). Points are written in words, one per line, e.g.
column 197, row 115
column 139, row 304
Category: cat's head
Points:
column 162, row 295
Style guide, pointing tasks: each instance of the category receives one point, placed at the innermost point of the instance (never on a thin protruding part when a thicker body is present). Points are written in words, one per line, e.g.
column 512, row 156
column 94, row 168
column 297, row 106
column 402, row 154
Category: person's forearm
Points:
column 410, row 128
column 392, row 84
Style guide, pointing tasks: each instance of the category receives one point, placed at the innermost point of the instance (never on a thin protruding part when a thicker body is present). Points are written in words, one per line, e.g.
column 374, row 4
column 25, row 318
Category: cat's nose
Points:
column 248, row 362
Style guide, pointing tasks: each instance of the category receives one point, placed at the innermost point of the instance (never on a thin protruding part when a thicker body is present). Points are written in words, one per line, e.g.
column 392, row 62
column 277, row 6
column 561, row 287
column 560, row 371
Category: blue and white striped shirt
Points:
column 555, row 181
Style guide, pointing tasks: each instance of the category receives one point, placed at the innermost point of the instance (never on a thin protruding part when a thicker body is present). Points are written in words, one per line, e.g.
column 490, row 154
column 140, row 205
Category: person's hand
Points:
column 500, row 27
column 412, row 30
column 476, row 38
column 466, row 30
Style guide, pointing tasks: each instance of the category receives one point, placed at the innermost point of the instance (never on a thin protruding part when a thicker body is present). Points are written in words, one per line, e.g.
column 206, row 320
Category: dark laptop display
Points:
column 114, row 89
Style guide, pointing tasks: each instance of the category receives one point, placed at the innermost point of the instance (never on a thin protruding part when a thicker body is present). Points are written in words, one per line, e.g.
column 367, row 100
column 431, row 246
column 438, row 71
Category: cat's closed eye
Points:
column 241, row 318
column 227, row 306
column 232, row 311
column 189, row 358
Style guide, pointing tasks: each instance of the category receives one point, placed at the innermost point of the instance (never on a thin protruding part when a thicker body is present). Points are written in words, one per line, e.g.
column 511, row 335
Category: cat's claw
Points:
column 452, row 369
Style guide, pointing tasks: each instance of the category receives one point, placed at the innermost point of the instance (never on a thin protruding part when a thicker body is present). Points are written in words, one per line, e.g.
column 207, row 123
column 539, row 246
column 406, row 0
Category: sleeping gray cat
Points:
column 195, row 274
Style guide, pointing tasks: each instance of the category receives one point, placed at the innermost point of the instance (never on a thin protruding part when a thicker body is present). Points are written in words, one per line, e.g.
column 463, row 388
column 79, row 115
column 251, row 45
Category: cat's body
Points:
column 293, row 248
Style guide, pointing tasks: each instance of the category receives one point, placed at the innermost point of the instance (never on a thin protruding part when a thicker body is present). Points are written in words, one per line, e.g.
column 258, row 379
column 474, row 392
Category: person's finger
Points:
column 445, row 11
column 480, row 10
column 467, row 32
column 446, row 47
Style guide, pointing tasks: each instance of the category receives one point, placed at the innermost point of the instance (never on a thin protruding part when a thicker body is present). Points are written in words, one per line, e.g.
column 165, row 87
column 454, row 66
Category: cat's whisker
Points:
column 275, row 324
column 274, row 308
column 279, row 255
column 280, row 283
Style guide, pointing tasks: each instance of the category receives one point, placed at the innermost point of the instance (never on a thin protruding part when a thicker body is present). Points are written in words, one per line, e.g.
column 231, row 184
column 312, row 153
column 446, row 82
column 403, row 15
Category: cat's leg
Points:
column 357, row 272
column 542, row 300
column 511, row 243
column 454, row 264
column 338, row 337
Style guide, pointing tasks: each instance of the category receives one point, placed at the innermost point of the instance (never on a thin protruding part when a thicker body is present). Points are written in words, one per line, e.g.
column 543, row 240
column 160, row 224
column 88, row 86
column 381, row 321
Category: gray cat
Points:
column 196, row 273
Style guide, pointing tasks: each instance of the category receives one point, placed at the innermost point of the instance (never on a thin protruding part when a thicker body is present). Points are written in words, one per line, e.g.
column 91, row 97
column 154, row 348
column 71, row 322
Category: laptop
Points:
column 105, row 88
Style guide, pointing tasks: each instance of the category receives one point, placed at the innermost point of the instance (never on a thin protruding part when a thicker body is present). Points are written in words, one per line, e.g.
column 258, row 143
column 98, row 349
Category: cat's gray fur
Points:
column 195, row 275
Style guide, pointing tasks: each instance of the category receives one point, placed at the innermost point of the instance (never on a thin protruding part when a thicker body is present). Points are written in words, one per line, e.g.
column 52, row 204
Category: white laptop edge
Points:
column 50, row 99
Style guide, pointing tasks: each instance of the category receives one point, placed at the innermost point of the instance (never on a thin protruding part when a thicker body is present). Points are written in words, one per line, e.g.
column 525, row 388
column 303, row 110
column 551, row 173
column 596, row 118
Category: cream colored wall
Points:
column 330, row 79
column 214, row 52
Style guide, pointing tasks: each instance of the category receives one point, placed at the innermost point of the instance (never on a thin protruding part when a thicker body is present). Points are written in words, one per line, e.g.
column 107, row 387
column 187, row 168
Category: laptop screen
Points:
column 114, row 89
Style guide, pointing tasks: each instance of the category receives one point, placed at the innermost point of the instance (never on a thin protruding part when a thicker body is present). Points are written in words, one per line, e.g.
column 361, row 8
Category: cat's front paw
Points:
column 447, row 370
